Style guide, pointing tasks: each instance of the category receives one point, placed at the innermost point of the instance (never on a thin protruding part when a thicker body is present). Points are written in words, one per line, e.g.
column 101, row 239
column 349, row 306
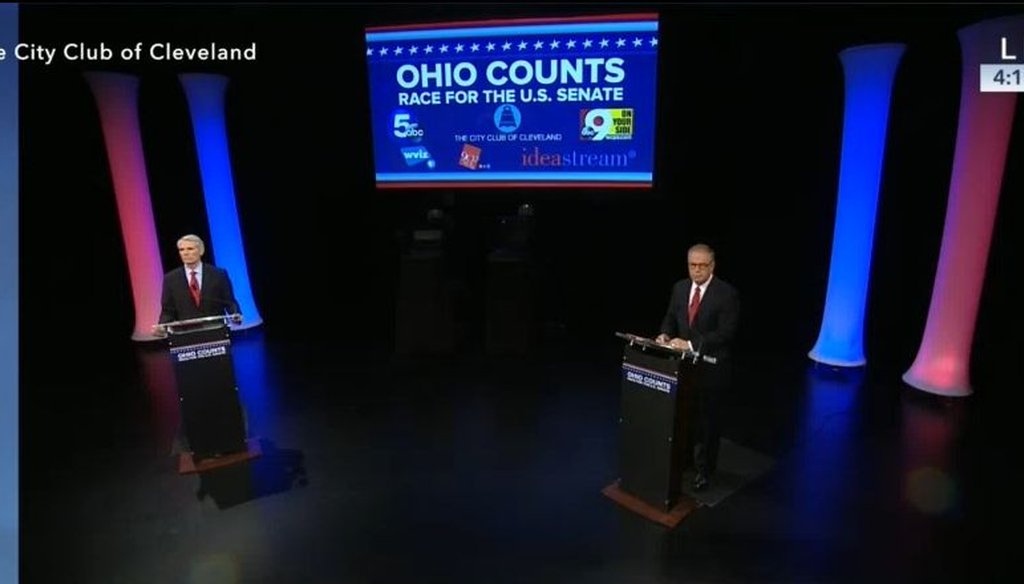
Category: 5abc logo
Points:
column 405, row 126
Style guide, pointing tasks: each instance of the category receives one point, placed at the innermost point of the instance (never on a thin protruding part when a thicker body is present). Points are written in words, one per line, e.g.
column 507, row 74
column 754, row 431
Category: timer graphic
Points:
column 1002, row 78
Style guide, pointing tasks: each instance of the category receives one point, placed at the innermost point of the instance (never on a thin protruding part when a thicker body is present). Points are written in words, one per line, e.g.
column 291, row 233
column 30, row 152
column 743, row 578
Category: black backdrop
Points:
column 750, row 121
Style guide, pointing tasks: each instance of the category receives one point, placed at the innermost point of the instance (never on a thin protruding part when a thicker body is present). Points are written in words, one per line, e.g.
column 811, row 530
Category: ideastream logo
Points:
column 573, row 159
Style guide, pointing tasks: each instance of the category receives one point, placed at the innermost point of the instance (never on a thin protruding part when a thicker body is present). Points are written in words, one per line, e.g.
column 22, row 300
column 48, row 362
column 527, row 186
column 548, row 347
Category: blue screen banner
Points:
column 538, row 102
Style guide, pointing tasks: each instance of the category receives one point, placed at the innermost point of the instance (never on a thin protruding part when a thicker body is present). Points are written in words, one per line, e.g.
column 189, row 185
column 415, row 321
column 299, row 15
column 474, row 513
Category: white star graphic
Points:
column 458, row 48
column 620, row 43
column 490, row 47
column 429, row 49
column 571, row 44
column 383, row 51
column 474, row 47
column 538, row 45
column 444, row 48
column 587, row 43
column 654, row 42
column 398, row 50
column 555, row 44
column 637, row 42
column 604, row 43
column 506, row 46
column 522, row 45
column 369, row 52
column 413, row 50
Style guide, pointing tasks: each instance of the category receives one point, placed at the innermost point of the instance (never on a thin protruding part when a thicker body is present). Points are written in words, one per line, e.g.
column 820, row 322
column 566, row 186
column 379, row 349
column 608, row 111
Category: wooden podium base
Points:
column 670, row 519
column 186, row 465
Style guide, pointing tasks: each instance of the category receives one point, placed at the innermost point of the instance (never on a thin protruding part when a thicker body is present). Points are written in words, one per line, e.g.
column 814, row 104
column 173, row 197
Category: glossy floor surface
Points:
column 479, row 469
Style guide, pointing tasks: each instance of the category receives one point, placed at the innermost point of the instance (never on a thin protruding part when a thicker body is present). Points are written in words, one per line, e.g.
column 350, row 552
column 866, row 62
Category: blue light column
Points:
column 9, row 297
column 869, row 71
column 205, row 95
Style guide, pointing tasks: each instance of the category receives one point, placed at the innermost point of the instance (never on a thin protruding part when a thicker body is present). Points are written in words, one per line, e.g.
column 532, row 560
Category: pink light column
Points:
column 117, row 98
column 983, row 135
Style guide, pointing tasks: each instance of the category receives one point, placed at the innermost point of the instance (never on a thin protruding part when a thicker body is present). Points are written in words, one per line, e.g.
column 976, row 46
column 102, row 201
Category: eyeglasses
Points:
column 703, row 266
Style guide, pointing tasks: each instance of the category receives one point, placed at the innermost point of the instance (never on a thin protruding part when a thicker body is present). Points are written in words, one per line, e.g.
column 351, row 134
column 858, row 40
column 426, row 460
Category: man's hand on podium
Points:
column 159, row 330
column 676, row 343
column 236, row 318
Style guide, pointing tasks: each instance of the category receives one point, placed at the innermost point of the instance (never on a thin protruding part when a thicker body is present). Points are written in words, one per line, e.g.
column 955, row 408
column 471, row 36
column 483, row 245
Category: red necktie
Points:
column 193, row 289
column 694, row 305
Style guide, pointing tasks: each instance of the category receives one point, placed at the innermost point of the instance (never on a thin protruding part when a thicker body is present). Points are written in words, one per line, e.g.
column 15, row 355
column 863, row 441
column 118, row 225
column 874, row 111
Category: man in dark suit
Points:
column 196, row 289
column 702, row 316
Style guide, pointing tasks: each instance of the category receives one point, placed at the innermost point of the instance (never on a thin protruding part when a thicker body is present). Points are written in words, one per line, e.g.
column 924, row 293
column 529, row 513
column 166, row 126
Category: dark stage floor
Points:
column 490, row 470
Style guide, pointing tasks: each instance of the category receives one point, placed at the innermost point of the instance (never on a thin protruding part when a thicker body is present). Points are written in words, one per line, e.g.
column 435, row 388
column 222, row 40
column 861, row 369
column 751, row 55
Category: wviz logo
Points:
column 417, row 155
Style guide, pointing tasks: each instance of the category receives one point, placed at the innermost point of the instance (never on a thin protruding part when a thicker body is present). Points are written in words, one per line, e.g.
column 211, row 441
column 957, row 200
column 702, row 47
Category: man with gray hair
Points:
column 702, row 317
column 196, row 289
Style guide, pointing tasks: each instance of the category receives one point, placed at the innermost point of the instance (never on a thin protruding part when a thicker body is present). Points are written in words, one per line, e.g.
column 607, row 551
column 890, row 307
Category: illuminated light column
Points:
column 982, row 138
column 117, row 98
column 205, row 95
column 9, row 317
column 869, row 71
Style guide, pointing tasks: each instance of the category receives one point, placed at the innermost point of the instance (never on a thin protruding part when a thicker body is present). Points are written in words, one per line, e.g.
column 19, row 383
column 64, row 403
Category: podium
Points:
column 511, row 305
column 424, row 319
column 657, row 383
column 211, row 413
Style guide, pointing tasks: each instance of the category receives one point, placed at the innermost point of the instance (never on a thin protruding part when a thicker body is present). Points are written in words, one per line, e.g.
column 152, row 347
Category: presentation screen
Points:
column 528, row 102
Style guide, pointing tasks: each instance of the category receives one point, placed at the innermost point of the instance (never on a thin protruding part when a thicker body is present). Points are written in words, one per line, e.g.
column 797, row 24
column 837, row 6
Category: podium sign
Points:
column 210, row 409
column 653, row 450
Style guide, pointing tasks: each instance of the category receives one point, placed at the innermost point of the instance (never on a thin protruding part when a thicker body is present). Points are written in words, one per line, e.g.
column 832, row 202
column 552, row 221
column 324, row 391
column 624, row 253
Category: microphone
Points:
column 230, row 310
column 228, row 307
column 701, row 357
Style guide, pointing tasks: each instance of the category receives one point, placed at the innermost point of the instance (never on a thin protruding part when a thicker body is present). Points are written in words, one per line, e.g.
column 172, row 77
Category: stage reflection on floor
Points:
column 469, row 469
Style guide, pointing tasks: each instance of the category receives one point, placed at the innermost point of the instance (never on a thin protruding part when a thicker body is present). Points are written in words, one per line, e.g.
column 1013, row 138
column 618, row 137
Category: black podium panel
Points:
column 653, row 443
column 511, row 305
column 210, row 409
column 424, row 322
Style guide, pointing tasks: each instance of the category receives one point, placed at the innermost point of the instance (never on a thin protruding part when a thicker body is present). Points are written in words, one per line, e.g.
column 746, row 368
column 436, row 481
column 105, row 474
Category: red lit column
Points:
column 117, row 98
column 983, row 135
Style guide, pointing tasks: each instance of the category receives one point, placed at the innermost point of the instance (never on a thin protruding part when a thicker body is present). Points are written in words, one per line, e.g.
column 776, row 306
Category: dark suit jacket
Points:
column 714, row 328
column 216, row 295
